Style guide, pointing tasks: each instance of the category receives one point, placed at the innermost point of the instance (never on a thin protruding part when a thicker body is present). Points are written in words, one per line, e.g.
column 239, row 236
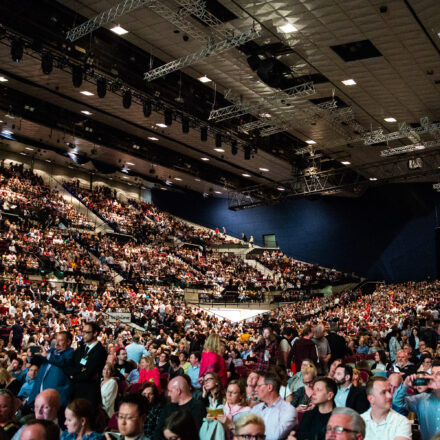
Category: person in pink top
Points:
column 234, row 406
column 212, row 359
column 148, row 372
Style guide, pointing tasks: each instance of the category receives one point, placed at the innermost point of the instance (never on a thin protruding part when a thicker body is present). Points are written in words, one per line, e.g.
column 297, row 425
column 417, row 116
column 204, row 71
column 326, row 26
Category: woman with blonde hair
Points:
column 249, row 426
column 148, row 372
column 212, row 359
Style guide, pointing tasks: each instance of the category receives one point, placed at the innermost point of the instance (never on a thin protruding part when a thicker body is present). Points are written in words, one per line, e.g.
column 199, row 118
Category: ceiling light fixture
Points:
column 118, row 30
column 390, row 120
column 373, row 179
column 130, row 163
column 246, row 175
column 218, row 192
column 86, row 112
column 310, row 142
column 23, row 154
column 29, row 148
column 178, row 178
column 204, row 158
column 349, row 82
column 264, row 169
column 346, row 162
column 160, row 124
column 8, row 132
column 86, row 93
column 204, row 79
column 288, row 28
column 152, row 138
column 3, row 79
column 280, row 188
column 219, row 150
column 197, row 180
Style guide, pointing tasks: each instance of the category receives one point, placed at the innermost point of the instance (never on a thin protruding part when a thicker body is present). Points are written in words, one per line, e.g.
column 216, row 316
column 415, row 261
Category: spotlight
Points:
column 101, row 86
column 185, row 125
column 168, row 117
column 126, row 99
column 146, row 106
column 203, row 134
column 218, row 140
column 247, row 152
column 234, row 149
column 16, row 50
column 47, row 63
column 77, row 76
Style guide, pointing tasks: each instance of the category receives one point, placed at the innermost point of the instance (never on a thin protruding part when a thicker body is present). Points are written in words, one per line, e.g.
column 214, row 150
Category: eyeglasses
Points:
column 338, row 429
column 251, row 436
column 127, row 418
column 310, row 382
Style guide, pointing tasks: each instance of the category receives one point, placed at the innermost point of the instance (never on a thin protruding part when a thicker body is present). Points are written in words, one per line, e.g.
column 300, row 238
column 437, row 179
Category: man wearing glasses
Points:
column 131, row 417
column 345, row 424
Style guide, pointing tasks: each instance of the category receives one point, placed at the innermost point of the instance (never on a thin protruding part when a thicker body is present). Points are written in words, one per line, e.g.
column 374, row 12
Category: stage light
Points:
column 16, row 50
column 218, row 140
column 247, row 152
column 146, row 107
column 77, row 76
column 168, row 115
column 126, row 99
column 234, row 149
column 101, row 86
column 203, row 134
column 47, row 63
column 185, row 125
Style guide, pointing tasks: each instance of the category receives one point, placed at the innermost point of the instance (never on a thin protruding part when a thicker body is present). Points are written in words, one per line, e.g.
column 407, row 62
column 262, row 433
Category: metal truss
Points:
column 259, row 123
column 273, row 130
column 278, row 98
column 409, row 148
column 105, row 17
column 210, row 50
column 374, row 137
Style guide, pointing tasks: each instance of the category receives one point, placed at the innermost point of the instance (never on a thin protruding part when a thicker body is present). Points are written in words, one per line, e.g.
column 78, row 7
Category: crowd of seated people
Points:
column 352, row 364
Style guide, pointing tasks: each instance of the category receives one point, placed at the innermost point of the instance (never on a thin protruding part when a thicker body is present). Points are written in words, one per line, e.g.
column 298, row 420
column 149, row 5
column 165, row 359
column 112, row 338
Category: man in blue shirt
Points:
column 26, row 388
column 135, row 350
column 194, row 369
column 425, row 405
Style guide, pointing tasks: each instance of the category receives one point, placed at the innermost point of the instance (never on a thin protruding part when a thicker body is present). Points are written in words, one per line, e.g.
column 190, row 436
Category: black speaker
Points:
column 47, row 63
column 168, row 114
column 77, row 76
column 203, row 134
column 126, row 99
column 101, row 87
column 185, row 125
column 247, row 152
column 146, row 106
column 16, row 50
column 218, row 140
column 234, row 149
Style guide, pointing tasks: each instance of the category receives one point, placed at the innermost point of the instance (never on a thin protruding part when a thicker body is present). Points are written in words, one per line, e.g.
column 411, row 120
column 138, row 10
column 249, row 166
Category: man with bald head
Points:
column 179, row 392
column 40, row 430
column 47, row 405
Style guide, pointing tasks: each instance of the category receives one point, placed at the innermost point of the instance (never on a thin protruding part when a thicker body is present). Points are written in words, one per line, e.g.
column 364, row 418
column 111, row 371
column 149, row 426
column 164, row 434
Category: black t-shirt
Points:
column 313, row 425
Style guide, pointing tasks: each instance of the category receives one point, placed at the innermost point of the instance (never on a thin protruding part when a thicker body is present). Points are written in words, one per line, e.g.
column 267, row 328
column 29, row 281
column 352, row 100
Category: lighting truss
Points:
column 273, row 130
column 286, row 95
column 105, row 17
column 210, row 50
column 374, row 137
column 409, row 148
column 259, row 123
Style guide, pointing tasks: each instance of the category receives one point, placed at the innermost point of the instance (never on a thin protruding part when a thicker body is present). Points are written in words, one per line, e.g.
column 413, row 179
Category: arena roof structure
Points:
column 256, row 101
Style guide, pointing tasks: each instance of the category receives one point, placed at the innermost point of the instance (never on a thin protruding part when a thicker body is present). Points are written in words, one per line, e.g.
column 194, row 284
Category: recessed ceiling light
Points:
column 152, row 138
column 373, row 178
column 7, row 132
column 29, row 148
column 129, row 183
column 3, row 79
column 218, row 192
column 219, row 150
column 346, row 162
column 265, row 115
column 204, row 158
column 288, row 28
column 48, row 160
column 197, row 180
column 246, row 175
column 136, row 147
column 204, row 79
column 86, row 93
column 264, row 169
column 390, row 120
column 349, row 82
column 129, row 163
column 119, row 30
column 280, row 188
column 310, row 142
column 86, row 112
column 23, row 154
column 124, row 177
column 161, row 124
column 178, row 178
column 419, row 147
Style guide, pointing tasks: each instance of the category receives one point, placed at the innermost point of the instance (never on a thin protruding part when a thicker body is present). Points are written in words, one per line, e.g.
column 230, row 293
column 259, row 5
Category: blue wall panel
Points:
column 388, row 233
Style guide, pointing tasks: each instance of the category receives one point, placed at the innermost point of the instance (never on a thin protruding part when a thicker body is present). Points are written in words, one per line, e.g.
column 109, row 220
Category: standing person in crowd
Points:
column 380, row 420
column 279, row 416
column 109, row 389
column 52, row 373
column 314, row 422
column 337, row 343
column 267, row 350
column 303, row 348
column 323, row 348
column 136, row 350
column 425, row 405
column 212, row 359
column 348, row 395
column 88, row 362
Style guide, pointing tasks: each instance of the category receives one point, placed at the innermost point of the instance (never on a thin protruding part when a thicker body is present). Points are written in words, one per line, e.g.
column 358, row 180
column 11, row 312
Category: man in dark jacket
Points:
column 303, row 348
column 338, row 345
column 348, row 395
column 88, row 362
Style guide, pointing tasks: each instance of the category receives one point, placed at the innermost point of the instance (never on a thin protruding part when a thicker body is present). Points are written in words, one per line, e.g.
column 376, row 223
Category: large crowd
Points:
column 351, row 365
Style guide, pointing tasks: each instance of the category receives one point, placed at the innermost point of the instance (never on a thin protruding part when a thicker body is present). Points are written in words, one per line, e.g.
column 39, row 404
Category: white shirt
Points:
column 395, row 425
